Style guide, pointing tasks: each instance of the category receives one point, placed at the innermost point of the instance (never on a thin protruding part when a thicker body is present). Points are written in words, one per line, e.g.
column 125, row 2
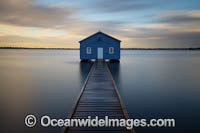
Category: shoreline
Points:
column 120, row 49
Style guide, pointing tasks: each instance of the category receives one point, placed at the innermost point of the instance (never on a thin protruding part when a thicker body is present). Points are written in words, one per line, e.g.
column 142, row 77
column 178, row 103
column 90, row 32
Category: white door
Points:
column 100, row 53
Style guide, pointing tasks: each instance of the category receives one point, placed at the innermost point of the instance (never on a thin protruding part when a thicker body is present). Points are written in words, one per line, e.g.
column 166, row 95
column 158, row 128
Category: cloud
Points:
column 169, row 29
column 115, row 6
column 161, row 36
column 181, row 24
column 180, row 17
column 190, row 38
column 24, row 41
column 24, row 21
column 25, row 13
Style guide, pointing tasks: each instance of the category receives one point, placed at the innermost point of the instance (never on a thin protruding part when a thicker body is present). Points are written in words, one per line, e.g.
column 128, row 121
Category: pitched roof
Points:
column 102, row 34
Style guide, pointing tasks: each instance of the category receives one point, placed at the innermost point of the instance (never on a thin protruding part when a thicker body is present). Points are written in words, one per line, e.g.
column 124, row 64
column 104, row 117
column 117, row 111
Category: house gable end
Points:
column 99, row 39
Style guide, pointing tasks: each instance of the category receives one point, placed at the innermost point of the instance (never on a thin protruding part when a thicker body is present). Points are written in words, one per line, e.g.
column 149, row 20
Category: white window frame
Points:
column 88, row 51
column 110, row 50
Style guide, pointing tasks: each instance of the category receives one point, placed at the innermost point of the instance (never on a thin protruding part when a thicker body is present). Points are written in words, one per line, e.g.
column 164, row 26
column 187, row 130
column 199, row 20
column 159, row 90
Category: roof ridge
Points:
column 99, row 32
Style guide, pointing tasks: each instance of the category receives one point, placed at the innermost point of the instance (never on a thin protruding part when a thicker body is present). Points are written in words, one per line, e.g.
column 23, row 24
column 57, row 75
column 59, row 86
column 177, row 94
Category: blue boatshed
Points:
column 100, row 46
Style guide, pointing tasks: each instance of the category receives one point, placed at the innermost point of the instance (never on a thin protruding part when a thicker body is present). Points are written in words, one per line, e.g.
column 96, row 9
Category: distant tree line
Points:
column 121, row 48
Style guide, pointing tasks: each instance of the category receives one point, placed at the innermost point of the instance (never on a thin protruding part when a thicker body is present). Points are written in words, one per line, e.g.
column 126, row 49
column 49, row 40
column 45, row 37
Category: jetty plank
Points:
column 99, row 97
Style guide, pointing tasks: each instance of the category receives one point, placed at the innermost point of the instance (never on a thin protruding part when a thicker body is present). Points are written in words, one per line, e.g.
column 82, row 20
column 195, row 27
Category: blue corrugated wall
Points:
column 102, row 41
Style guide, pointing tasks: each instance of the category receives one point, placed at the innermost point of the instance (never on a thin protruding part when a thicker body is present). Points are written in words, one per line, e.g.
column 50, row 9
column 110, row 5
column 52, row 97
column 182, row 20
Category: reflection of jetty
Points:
column 99, row 97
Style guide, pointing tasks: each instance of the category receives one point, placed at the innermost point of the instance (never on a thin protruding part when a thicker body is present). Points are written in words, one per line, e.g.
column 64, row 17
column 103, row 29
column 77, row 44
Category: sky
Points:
column 63, row 23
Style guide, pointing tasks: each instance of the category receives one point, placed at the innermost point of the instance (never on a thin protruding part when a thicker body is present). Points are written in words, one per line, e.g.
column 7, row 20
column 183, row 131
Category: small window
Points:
column 111, row 50
column 88, row 50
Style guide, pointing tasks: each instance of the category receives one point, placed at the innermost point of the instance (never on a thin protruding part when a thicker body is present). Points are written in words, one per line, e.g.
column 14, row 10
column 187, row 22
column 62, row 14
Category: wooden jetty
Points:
column 99, row 97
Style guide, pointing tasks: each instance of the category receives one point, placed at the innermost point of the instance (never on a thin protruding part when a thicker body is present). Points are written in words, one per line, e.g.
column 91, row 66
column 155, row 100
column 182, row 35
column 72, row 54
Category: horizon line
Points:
column 188, row 48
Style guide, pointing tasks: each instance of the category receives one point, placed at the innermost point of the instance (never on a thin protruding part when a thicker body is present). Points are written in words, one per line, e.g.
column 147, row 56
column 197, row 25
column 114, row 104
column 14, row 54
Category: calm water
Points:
column 40, row 82
column 152, row 84
column 161, row 84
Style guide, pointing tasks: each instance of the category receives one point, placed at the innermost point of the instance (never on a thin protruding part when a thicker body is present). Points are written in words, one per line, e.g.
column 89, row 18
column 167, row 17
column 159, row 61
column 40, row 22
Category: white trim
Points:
column 111, row 51
column 88, row 50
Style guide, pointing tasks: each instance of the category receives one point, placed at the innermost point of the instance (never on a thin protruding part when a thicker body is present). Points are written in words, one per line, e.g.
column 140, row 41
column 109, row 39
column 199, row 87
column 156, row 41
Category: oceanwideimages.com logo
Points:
column 30, row 121
column 46, row 121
